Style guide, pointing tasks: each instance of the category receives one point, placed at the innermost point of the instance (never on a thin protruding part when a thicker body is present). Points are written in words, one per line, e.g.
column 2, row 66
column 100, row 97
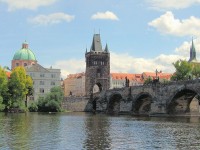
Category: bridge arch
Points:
column 142, row 104
column 184, row 101
column 113, row 106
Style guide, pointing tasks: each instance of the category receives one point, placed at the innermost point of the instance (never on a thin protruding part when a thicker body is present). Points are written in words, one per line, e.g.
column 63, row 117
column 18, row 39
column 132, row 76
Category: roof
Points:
column 159, row 74
column 8, row 74
column 36, row 68
column 96, row 43
column 24, row 53
column 126, row 75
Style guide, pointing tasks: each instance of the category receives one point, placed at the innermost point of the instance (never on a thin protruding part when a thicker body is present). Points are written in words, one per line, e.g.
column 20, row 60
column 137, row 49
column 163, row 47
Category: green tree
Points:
column 196, row 70
column 19, row 85
column 52, row 101
column 3, row 88
column 183, row 70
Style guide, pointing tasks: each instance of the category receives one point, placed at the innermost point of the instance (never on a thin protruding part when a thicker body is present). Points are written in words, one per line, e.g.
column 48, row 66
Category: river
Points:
column 83, row 131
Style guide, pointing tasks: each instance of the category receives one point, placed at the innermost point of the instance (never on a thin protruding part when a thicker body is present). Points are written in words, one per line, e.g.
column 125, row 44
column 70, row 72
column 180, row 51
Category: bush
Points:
column 33, row 107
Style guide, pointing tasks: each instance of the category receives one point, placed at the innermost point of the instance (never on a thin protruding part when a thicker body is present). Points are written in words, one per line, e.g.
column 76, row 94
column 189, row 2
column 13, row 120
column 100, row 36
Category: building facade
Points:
column 97, row 72
column 74, row 85
column 43, row 78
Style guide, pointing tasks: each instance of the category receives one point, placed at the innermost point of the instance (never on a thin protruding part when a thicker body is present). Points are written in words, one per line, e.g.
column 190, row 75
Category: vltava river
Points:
column 81, row 131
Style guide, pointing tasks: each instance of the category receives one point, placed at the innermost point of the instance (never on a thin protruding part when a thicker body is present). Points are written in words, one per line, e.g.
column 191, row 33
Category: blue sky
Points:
column 142, row 35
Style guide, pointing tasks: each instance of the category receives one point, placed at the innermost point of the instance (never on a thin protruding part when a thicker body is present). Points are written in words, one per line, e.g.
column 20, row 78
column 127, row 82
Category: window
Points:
column 53, row 83
column 42, row 75
column 41, row 82
column 31, row 98
column 32, row 74
column 25, row 64
column 17, row 64
column 41, row 90
column 53, row 75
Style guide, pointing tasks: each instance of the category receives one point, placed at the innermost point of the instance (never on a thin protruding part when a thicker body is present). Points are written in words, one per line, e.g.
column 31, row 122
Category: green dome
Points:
column 24, row 53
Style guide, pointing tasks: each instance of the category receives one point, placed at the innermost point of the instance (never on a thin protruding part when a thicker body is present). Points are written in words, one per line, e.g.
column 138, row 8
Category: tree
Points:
column 3, row 88
column 51, row 102
column 183, row 70
column 19, row 85
column 196, row 70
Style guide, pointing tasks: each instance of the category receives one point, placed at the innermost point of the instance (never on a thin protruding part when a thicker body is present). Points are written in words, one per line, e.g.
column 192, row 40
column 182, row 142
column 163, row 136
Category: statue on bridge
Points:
column 127, row 81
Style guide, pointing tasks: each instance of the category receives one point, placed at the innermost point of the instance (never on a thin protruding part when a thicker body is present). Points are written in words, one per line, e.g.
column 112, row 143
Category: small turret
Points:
column 106, row 48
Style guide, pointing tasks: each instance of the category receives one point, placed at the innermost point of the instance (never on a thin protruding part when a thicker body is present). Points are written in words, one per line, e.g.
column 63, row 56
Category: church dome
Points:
column 24, row 53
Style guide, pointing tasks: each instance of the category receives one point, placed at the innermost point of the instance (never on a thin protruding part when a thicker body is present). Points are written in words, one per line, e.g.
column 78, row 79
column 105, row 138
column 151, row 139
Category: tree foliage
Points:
column 196, row 70
column 183, row 70
column 20, row 85
column 3, row 88
column 51, row 102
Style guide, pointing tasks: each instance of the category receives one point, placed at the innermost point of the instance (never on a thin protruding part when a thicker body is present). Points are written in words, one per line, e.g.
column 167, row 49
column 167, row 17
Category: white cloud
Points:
column 105, row 15
column 168, row 24
column 54, row 18
column 26, row 4
column 184, row 49
column 172, row 4
column 127, row 64
column 70, row 66
column 131, row 64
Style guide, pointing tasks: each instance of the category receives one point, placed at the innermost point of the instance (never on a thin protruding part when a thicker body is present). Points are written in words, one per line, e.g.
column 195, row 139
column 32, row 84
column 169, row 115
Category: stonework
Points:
column 97, row 67
column 174, row 98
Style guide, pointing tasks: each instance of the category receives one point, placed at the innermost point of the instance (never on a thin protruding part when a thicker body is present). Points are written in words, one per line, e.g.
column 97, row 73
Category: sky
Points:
column 142, row 35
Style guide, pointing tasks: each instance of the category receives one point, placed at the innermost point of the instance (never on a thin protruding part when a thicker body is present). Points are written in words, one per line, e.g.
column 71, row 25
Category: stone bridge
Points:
column 173, row 98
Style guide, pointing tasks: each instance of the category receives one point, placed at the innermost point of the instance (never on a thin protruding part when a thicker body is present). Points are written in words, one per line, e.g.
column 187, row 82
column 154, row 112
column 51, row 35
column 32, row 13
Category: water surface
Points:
column 82, row 131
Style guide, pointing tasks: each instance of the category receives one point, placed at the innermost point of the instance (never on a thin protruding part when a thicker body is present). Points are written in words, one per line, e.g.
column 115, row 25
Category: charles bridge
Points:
column 173, row 98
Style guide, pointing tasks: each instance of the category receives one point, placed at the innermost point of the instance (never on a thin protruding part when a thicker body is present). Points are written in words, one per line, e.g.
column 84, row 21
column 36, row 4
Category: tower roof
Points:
column 192, row 53
column 24, row 53
column 96, row 43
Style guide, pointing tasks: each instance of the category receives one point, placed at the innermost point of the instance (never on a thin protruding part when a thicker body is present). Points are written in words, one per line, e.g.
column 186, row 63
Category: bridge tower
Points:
column 97, row 72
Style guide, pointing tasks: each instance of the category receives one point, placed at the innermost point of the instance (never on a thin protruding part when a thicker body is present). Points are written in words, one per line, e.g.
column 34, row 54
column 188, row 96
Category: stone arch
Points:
column 142, row 104
column 184, row 101
column 97, row 88
column 113, row 106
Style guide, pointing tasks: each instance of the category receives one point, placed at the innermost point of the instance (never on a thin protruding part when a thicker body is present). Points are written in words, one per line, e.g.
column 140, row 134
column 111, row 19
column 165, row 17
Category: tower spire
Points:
column 106, row 48
column 192, row 52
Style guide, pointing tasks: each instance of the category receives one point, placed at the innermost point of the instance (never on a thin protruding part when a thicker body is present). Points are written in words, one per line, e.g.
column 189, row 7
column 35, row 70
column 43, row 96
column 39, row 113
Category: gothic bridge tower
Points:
column 97, row 74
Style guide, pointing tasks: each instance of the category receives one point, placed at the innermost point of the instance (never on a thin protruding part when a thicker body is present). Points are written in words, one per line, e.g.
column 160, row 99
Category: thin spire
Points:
column 106, row 48
column 192, row 52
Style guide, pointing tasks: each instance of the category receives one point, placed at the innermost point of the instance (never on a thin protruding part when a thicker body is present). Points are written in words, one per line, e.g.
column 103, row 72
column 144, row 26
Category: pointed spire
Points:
column 192, row 52
column 106, row 48
column 96, row 43
column 86, row 50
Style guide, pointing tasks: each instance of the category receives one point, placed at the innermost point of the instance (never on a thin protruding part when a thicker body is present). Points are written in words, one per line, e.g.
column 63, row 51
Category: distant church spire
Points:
column 192, row 53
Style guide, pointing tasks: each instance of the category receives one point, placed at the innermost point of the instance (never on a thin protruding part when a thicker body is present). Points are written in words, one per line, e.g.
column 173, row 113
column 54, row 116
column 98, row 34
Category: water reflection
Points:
column 97, row 133
column 75, row 131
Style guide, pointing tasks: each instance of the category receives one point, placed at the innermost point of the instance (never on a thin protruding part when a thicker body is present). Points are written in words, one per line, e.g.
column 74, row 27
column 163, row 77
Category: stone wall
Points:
column 77, row 104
